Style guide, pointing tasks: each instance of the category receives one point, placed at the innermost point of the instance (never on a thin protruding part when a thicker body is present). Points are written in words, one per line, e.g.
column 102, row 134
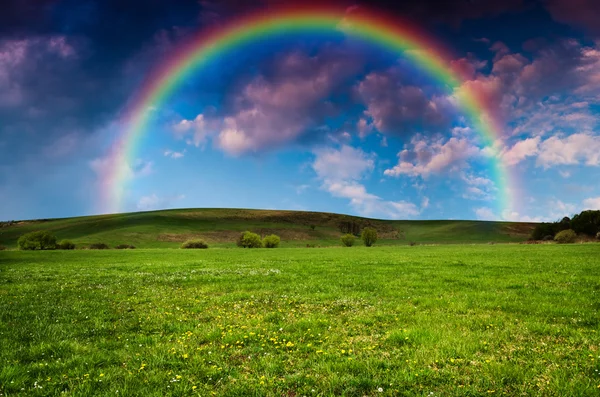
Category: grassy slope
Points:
column 455, row 320
column 164, row 229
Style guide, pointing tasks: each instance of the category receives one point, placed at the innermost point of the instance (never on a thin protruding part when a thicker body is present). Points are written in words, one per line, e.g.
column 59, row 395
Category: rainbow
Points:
column 391, row 34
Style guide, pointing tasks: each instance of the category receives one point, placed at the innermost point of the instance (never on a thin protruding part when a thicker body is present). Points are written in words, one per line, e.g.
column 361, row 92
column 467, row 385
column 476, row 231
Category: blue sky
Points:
column 308, row 122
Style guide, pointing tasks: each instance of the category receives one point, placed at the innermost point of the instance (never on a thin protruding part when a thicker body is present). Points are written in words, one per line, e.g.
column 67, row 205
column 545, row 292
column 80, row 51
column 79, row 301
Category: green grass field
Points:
column 221, row 227
column 454, row 320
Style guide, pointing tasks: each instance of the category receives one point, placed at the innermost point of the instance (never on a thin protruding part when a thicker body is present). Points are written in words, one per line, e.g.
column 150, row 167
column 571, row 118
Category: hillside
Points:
column 220, row 227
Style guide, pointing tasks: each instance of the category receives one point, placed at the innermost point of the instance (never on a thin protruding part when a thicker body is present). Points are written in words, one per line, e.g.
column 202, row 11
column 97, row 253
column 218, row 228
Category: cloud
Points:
column 154, row 202
column 579, row 13
column 283, row 107
column 173, row 154
column 574, row 149
column 520, row 151
column 340, row 171
column 433, row 156
column 485, row 214
column 342, row 164
column 198, row 127
column 592, row 203
column 398, row 108
column 536, row 94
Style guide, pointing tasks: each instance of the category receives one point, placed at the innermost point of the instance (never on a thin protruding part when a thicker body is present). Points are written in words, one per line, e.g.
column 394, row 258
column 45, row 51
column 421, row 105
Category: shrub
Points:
column 195, row 244
column 249, row 240
column 124, row 247
column 98, row 246
column 2, row 248
column 40, row 240
column 598, row 236
column 548, row 238
column 65, row 245
column 312, row 227
column 412, row 243
column 271, row 241
column 566, row 237
column 348, row 240
column 369, row 236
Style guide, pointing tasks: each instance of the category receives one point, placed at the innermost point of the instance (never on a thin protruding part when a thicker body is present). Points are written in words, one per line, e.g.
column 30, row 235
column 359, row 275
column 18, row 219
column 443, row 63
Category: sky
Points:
column 318, row 121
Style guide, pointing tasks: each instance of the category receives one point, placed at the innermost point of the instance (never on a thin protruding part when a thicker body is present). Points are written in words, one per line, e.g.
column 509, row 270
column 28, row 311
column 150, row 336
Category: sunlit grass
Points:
column 456, row 320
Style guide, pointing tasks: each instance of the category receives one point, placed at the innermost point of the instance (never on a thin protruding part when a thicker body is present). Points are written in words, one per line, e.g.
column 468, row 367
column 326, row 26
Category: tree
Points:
column 369, row 236
column 587, row 222
column 542, row 230
column 348, row 240
column 40, row 240
column 565, row 237
column 249, row 240
column 271, row 241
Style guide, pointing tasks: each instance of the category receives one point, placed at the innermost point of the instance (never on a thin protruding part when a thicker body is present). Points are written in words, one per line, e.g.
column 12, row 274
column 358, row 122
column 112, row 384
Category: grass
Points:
column 221, row 227
column 382, row 321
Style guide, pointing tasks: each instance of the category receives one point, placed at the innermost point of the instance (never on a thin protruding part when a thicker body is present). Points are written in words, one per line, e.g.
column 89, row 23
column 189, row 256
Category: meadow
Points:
column 453, row 320
column 220, row 227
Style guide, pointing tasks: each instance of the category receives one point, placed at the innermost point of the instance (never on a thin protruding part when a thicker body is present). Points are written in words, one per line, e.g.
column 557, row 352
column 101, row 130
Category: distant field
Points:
column 428, row 320
column 220, row 227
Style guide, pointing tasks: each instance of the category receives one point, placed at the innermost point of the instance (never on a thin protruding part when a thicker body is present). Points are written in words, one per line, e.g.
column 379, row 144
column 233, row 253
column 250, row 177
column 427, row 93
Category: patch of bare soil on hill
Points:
column 518, row 229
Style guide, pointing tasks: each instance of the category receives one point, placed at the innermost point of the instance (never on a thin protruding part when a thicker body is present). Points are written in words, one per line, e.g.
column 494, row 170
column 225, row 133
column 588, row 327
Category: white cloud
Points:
column 154, row 202
column 574, row 149
column 433, row 156
column 485, row 214
column 343, row 164
column 520, row 151
column 340, row 171
column 199, row 128
column 174, row 155
column 592, row 203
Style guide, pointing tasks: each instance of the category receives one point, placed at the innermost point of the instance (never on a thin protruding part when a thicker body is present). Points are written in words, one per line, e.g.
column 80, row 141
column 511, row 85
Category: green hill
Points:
column 221, row 227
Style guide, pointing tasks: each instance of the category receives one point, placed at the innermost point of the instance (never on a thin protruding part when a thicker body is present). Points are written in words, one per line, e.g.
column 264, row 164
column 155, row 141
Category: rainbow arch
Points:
column 392, row 34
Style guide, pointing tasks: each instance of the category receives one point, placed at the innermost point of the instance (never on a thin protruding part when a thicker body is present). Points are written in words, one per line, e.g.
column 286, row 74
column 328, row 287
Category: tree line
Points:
column 586, row 223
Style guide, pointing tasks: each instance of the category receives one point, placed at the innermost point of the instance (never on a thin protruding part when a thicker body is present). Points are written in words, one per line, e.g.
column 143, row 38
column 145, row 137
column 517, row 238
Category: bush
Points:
column 598, row 236
column 271, row 241
column 2, row 248
column 369, row 236
column 194, row 244
column 40, row 240
column 98, row 246
column 566, row 237
column 348, row 240
column 249, row 240
column 548, row 238
column 65, row 245
column 124, row 247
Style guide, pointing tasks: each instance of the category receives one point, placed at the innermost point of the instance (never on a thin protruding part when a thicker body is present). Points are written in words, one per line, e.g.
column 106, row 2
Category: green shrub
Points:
column 65, row 245
column 194, row 244
column 347, row 240
column 98, row 246
column 124, row 247
column 369, row 236
column 271, row 241
column 40, row 240
column 249, row 240
column 548, row 238
column 566, row 237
